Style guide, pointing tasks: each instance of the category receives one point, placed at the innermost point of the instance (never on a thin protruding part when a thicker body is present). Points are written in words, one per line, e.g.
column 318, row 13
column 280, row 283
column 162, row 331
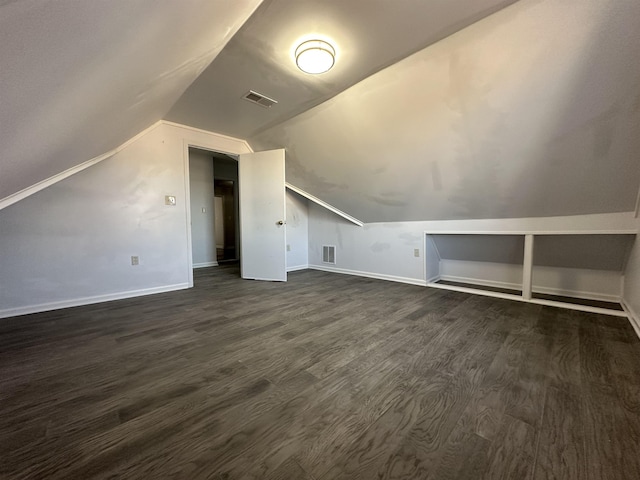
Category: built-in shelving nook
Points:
column 583, row 271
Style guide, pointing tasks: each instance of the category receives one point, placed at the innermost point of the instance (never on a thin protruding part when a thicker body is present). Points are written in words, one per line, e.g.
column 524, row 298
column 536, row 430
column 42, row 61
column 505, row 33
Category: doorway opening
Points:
column 213, row 192
column 226, row 219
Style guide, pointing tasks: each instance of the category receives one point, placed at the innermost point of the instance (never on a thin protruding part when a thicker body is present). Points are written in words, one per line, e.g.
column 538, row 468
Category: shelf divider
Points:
column 527, row 267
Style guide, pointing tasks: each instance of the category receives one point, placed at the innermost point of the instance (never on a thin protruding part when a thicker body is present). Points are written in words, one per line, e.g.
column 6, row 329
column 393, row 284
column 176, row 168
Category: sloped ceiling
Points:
column 435, row 109
column 369, row 35
column 533, row 111
column 79, row 78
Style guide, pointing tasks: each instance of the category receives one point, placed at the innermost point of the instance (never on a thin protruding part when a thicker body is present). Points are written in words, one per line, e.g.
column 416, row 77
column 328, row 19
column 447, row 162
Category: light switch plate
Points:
column 170, row 200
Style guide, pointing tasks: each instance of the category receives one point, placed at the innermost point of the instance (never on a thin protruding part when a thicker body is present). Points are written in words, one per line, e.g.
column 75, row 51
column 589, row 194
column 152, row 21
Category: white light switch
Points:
column 416, row 252
column 170, row 200
column 204, row 210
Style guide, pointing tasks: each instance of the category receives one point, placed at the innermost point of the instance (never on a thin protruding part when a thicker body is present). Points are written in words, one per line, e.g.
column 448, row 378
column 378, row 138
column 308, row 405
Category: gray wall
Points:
column 481, row 248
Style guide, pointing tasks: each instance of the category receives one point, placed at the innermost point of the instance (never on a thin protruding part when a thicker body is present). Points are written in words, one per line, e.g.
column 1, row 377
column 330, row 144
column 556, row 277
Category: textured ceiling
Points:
column 435, row 109
column 533, row 111
column 79, row 78
column 369, row 35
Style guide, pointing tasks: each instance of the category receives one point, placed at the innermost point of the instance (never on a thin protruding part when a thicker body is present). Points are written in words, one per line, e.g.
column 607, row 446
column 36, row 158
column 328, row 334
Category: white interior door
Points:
column 262, row 216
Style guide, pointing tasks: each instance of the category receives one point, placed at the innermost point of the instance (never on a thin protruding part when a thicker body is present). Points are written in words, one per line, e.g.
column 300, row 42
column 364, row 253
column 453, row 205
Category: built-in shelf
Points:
column 576, row 270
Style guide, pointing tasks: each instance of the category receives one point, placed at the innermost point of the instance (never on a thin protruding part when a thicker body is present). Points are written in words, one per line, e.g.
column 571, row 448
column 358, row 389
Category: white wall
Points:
column 386, row 250
column 631, row 295
column 202, row 198
column 297, row 232
column 72, row 242
column 80, row 78
column 381, row 250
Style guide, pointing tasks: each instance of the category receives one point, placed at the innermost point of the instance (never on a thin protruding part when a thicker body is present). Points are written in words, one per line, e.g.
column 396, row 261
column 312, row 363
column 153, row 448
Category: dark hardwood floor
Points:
column 326, row 377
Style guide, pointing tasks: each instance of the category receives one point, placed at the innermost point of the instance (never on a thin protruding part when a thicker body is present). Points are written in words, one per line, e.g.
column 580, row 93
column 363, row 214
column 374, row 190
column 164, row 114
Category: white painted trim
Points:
column 535, row 289
column 377, row 276
column 36, row 187
column 534, row 232
column 518, row 298
column 476, row 291
column 297, row 268
column 434, row 279
column 482, row 282
column 207, row 132
column 581, row 308
column 637, row 212
column 324, row 204
column 634, row 318
column 187, row 206
column 44, row 307
column 602, row 297
column 527, row 267
column 205, row 264
column 202, row 145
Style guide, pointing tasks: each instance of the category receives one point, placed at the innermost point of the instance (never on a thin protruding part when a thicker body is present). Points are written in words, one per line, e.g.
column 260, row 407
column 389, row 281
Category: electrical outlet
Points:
column 288, row 248
column 170, row 200
column 204, row 210
column 416, row 252
column 135, row 260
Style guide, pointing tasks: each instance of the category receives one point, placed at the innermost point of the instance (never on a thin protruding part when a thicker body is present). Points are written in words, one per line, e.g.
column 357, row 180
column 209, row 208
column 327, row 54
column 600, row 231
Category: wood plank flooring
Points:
column 326, row 377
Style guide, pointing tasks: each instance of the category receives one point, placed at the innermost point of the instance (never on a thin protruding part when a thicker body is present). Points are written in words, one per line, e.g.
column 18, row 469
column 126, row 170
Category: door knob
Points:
column 280, row 222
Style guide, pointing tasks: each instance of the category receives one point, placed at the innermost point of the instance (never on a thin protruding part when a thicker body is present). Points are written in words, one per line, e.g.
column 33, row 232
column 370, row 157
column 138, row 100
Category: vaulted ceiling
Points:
column 434, row 110
column 79, row 78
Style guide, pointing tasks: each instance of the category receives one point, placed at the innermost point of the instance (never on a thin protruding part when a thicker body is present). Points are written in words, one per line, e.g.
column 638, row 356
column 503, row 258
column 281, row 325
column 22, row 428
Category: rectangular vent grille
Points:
column 259, row 99
column 329, row 254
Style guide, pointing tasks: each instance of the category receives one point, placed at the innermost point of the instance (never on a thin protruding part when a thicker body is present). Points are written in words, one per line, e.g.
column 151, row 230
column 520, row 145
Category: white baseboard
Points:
column 634, row 318
column 434, row 279
column 76, row 302
column 205, row 264
column 296, row 268
column 518, row 298
column 476, row 291
column 377, row 276
column 536, row 289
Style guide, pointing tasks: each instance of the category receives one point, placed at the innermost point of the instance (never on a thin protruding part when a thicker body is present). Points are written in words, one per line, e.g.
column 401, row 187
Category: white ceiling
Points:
column 79, row 78
column 369, row 35
column 531, row 109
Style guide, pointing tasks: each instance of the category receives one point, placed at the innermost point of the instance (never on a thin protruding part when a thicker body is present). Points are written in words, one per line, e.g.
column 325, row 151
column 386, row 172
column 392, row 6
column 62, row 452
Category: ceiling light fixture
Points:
column 315, row 56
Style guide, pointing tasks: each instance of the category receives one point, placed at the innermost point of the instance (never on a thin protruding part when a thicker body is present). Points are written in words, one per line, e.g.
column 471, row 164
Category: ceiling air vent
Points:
column 262, row 100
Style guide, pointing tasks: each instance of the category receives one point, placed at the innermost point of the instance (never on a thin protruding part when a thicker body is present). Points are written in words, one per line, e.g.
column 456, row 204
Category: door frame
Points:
column 214, row 147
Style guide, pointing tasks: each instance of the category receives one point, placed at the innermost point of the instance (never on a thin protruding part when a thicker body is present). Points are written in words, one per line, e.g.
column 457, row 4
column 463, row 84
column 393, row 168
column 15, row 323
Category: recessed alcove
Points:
column 575, row 270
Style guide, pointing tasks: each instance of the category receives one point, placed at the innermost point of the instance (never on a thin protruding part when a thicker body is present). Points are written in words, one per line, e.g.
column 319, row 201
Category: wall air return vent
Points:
column 258, row 98
column 329, row 254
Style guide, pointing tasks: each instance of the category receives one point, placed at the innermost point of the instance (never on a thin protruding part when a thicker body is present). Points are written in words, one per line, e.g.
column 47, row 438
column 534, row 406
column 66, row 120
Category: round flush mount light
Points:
column 315, row 56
